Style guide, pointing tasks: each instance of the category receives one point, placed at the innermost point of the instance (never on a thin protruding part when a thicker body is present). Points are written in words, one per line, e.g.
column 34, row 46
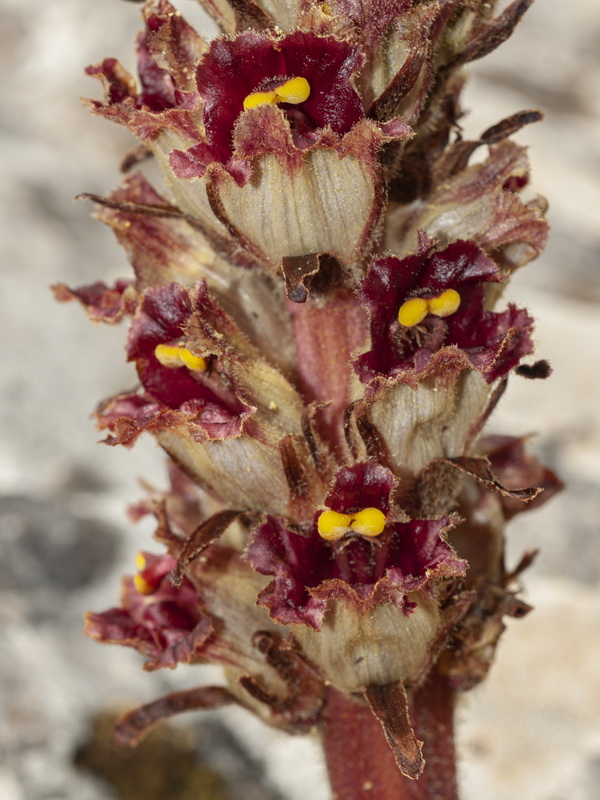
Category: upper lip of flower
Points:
column 233, row 69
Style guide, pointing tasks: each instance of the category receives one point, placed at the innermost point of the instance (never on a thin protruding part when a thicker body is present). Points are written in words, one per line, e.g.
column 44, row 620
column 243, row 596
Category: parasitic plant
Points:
column 317, row 323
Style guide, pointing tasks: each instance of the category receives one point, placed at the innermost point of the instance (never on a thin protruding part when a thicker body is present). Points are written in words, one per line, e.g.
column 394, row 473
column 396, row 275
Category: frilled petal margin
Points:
column 235, row 68
column 471, row 337
column 310, row 571
column 165, row 624
column 364, row 485
column 129, row 415
column 102, row 303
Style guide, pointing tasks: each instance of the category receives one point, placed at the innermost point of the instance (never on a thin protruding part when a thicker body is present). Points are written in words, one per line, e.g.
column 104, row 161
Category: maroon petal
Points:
column 490, row 342
column 164, row 623
column 298, row 563
column 364, row 485
column 173, row 44
column 147, row 112
column 158, row 87
column 418, row 551
column 129, row 415
column 309, row 571
column 102, row 303
column 161, row 319
column 234, row 68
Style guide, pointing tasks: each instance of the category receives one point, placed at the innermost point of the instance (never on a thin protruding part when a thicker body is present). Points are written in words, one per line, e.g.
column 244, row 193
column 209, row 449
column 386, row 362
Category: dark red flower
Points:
column 102, row 303
column 471, row 337
column 309, row 571
column 161, row 320
column 161, row 621
column 232, row 69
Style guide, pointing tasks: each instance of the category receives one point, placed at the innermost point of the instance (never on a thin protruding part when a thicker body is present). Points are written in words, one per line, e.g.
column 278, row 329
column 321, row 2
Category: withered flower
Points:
column 317, row 329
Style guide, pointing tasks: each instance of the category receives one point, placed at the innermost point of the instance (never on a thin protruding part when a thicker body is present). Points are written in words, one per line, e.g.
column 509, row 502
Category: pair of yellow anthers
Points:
column 295, row 90
column 332, row 525
column 174, row 356
column 140, row 583
column 414, row 311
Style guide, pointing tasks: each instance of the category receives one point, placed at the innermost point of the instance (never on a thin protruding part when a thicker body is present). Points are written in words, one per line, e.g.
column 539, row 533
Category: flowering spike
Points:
column 336, row 259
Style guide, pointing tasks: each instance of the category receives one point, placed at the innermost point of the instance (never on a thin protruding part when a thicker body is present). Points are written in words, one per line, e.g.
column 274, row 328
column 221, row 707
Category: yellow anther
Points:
column 445, row 304
column 295, row 91
column 412, row 312
column 173, row 356
column 168, row 355
column 259, row 99
column 332, row 525
column 142, row 585
column 368, row 522
column 195, row 363
column 140, row 561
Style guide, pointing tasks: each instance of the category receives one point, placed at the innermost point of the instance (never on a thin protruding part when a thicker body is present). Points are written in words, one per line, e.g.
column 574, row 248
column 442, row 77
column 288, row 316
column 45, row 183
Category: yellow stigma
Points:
column 412, row 312
column 142, row 585
column 140, row 561
column 445, row 304
column 332, row 525
column 173, row 356
column 259, row 99
column 295, row 91
column 195, row 363
column 368, row 522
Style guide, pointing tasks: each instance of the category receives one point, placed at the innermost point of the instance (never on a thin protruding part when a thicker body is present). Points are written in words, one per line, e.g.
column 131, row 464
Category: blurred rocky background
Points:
column 533, row 730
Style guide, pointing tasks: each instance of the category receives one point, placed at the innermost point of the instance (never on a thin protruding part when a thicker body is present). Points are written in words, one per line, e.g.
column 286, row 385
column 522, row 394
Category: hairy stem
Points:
column 361, row 763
